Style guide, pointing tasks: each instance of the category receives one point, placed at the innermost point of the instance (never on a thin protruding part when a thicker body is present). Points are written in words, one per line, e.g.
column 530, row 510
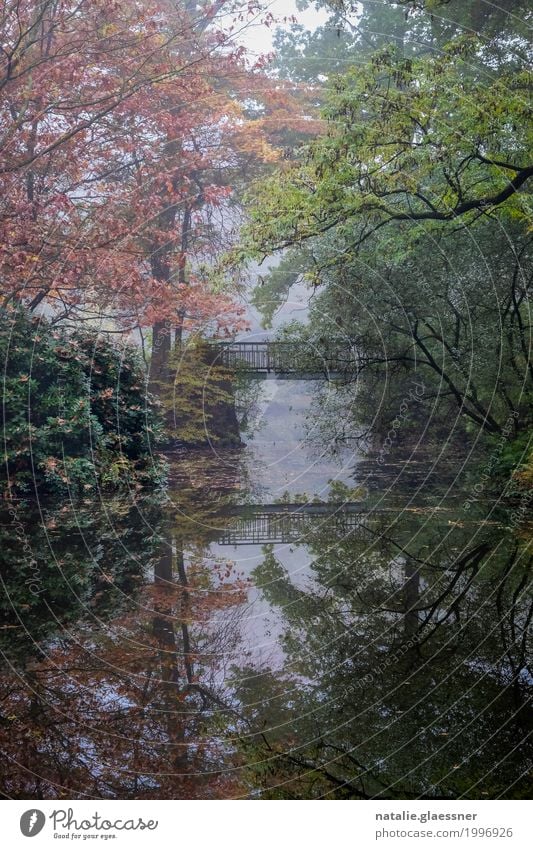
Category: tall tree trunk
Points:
column 182, row 270
column 172, row 683
column 159, row 363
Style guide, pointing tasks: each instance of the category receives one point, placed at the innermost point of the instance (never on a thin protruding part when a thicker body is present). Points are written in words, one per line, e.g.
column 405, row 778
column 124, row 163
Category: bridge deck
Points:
column 307, row 508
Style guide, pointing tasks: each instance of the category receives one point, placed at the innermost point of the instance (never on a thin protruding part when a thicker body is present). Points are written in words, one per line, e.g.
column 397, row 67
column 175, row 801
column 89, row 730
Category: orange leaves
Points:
column 119, row 151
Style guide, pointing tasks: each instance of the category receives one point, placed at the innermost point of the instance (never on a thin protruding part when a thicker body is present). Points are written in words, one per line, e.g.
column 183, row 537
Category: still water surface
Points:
column 277, row 622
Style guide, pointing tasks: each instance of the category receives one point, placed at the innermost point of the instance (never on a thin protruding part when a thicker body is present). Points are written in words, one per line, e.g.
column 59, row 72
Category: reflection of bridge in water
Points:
column 289, row 523
column 285, row 359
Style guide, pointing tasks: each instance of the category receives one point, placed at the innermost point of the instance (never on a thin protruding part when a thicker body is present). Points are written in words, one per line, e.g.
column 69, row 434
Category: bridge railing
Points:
column 290, row 523
column 284, row 358
column 267, row 528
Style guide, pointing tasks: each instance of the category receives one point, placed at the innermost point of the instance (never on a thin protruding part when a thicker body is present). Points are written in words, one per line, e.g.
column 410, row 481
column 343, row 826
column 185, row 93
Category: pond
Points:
column 279, row 622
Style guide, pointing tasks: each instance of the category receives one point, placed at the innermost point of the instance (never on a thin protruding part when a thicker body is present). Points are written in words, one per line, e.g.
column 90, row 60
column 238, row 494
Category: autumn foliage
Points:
column 124, row 132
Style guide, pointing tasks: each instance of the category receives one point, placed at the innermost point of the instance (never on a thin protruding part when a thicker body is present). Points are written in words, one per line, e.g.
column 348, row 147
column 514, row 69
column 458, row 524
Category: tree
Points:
column 417, row 140
column 412, row 204
column 438, row 19
column 124, row 131
column 419, row 337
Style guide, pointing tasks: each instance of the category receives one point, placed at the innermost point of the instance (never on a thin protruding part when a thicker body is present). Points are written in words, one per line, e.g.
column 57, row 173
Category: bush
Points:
column 75, row 411
column 515, row 462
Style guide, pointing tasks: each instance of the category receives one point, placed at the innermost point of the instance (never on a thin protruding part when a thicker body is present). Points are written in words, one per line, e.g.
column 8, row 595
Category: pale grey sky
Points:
column 258, row 38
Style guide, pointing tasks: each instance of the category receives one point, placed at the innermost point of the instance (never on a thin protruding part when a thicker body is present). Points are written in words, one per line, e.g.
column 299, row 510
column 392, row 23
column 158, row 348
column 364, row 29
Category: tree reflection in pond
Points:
column 400, row 669
column 406, row 672
column 117, row 689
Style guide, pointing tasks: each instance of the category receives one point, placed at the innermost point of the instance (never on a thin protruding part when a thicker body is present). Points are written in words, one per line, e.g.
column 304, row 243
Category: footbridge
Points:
column 286, row 359
column 289, row 523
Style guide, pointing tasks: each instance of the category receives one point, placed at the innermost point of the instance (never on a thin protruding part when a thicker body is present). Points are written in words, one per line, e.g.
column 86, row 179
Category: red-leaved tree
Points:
column 124, row 131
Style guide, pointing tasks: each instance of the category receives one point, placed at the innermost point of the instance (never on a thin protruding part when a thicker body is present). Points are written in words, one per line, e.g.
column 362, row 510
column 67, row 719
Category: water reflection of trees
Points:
column 406, row 657
column 406, row 669
column 62, row 563
column 117, row 690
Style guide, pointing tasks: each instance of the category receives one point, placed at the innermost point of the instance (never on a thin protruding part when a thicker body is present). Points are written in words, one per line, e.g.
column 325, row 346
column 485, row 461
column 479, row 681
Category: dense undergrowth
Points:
column 75, row 413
